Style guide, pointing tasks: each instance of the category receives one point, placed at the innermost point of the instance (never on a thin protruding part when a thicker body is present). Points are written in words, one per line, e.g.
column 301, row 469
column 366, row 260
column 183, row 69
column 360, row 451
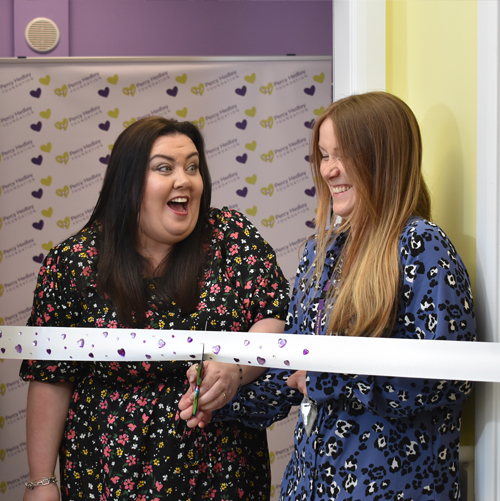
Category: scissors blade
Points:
column 198, row 381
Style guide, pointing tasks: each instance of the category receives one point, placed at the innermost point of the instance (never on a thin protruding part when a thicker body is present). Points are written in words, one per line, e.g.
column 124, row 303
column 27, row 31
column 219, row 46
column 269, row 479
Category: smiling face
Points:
column 334, row 173
column 172, row 196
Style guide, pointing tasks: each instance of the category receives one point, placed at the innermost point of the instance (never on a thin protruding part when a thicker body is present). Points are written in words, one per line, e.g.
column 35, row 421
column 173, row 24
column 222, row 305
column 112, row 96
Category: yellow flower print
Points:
column 141, row 483
column 177, row 470
column 156, row 461
column 225, row 440
column 145, row 430
column 235, row 313
column 119, row 452
column 90, row 472
column 83, row 254
column 161, row 324
column 66, row 248
column 223, row 487
column 99, row 487
column 104, row 393
column 204, row 294
column 161, row 445
column 76, row 474
column 238, row 260
column 85, row 451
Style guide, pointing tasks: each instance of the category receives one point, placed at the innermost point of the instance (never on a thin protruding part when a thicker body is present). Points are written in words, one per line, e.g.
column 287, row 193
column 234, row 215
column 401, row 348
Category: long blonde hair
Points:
column 381, row 149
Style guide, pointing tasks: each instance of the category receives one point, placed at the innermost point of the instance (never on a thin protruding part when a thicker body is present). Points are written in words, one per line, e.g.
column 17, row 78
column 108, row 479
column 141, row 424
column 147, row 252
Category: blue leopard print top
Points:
column 376, row 438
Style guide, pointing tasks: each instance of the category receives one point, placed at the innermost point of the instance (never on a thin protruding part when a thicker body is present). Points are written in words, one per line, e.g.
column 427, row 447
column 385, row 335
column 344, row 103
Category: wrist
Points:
column 40, row 481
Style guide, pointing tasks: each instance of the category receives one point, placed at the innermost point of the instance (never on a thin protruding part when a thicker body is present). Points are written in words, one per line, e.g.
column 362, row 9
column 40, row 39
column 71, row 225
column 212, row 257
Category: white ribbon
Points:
column 445, row 360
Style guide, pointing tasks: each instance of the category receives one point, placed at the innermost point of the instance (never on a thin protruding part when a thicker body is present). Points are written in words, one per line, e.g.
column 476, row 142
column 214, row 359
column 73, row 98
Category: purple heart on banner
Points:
column 39, row 225
column 37, row 160
column 307, row 158
column 37, row 127
column 241, row 125
column 38, row 259
column 242, row 159
column 37, row 194
column 243, row 192
column 104, row 160
column 310, row 124
column 311, row 192
column 172, row 92
column 242, row 91
column 105, row 125
column 104, row 92
column 36, row 93
column 310, row 224
column 310, row 91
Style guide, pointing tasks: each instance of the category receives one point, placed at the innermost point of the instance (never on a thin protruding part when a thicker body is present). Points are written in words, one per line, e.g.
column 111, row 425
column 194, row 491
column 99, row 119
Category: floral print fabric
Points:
column 123, row 438
column 376, row 438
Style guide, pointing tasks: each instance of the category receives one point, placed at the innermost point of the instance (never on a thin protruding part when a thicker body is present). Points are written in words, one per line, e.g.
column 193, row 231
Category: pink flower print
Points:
column 104, row 438
column 52, row 368
column 113, row 324
column 201, row 306
column 104, row 405
column 234, row 235
column 218, row 467
column 248, row 285
column 71, row 435
column 149, row 314
column 111, row 419
column 234, row 249
column 50, row 308
column 115, row 479
column 240, row 492
column 239, row 223
column 107, row 451
column 227, row 289
column 231, row 456
column 86, row 271
column 148, row 469
column 146, row 365
column 115, row 396
column 69, row 465
column 129, row 485
column 133, row 372
column 142, row 401
column 159, row 486
column 131, row 460
column 221, row 309
column 114, row 366
column 215, row 289
column 192, row 481
column 132, row 426
column 46, row 316
column 246, row 302
column 252, row 259
column 262, row 281
column 106, row 468
column 99, row 322
column 145, row 418
column 123, row 439
column 235, row 327
column 141, row 497
column 77, row 247
column 131, row 407
column 92, row 251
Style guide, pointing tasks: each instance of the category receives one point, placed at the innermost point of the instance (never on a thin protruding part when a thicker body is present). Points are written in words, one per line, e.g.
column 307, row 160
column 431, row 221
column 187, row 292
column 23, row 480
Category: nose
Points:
column 182, row 180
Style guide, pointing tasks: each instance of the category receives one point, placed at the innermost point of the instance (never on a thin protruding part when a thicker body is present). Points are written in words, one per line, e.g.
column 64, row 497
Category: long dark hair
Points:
column 121, row 267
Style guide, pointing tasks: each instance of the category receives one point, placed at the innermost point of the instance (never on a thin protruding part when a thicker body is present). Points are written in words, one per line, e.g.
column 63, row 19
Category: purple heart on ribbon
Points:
column 121, row 352
column 39, row 225
column 261, row 360
column 311, row 192
column 36, row 93
column 38, row 259
column 105, row 126
column 104, row 160
column 310, row 124
column 242, row 91
column 243, row 192
column 310, row 91
column 3, row 350
column 37, row 193
column 37, row 160
column 310, row 224
column 104, row 92
column 172, row 92
column 242, row 159
column 37, row 127
column 241, row 125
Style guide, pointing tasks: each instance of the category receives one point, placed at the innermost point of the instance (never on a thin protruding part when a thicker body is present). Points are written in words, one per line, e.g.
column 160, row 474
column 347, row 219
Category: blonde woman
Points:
column 383, row 271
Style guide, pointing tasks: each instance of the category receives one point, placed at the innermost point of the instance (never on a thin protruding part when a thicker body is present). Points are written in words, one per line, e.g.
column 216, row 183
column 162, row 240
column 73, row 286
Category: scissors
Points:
column 198, row 381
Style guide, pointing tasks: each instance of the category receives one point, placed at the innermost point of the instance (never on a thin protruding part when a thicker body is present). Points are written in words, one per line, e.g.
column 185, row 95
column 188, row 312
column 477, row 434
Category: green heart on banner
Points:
column 62, row 125
column 268, row 157
column 267, row 89
column 3, row 389
column 114, row 113
column 1, row 223
column 1, row 256
column 63, row 192
column 319, row 78
column 46, row 114
column 251, row 146
column 47, row 212
column 319, row 111
column 250, row 78
column 0, row 157
column 198, row 90
column 48, row 245
column 269, row 223
column 252, row 211
column 273, row 491
column 182, row 113
column 63, row 91
column 64, row 223
column 113, row 80
column 182, row 79
column 47, row 181
column 110, row 147
column 3, row 486
column 130, row 122
column 129, row 91
column 2, row 322
column 267, row 123
column 45, row 80
column 200, row 123
column 2, row 289
column 2, row 451
column 47, row 148
column 272, row 457
column 63, row 159
column 251, row 179
column 251, row 112
column 268, row 190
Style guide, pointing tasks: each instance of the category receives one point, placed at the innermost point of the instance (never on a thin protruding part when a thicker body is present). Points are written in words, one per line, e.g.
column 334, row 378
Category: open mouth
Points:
column 178, row 204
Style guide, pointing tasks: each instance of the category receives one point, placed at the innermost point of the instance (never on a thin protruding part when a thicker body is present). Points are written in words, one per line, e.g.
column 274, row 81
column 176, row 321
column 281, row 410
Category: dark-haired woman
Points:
column 384, row 271
column 153, row 255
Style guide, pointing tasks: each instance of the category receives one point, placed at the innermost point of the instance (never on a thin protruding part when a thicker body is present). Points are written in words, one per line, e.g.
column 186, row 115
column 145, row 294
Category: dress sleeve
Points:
column 435, row 302
column 252, row 267
column 56, row 303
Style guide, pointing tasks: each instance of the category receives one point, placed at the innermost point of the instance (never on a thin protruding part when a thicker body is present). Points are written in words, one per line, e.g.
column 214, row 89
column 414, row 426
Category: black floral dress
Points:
column 123, row 437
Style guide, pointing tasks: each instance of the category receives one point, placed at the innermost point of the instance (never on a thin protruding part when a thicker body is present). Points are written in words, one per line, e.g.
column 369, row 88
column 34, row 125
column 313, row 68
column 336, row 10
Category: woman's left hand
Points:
column 298, row 380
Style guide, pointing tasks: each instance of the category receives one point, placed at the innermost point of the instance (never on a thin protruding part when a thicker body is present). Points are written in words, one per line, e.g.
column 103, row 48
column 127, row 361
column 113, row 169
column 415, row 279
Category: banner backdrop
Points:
column 58, row 121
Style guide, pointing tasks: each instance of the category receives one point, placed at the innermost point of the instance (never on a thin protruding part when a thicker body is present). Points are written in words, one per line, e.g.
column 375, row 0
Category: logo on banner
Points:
column 63, row 125
column 268, row 123
column 129, row 91
column 267, row 89
column 198, row 91
column 61, row 91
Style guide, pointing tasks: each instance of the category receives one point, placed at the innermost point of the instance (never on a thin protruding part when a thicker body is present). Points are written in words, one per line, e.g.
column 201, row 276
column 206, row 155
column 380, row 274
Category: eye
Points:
column 164, row 167
column 193, row 168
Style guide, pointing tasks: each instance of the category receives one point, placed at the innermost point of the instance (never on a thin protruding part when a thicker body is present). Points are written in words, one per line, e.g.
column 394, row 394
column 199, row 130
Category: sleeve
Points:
column 435, row 303
column 55, row 304
column 252, row 267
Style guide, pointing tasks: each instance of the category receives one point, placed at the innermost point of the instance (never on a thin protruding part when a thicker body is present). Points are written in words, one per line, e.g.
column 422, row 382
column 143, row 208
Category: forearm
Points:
column 47, row 410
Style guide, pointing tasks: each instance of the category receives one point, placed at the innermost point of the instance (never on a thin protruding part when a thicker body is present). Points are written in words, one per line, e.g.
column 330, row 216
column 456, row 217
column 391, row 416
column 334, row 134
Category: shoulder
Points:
column 226, row 219
column 77, row 246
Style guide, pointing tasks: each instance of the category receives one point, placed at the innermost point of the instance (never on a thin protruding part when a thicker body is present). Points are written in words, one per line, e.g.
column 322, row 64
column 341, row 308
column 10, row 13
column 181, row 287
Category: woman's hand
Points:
column 43, row 493
column 298, row 380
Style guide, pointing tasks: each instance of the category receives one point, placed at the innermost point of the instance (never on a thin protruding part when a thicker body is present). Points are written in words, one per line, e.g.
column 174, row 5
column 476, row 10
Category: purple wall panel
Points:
column 196, row 28
column 6, row 28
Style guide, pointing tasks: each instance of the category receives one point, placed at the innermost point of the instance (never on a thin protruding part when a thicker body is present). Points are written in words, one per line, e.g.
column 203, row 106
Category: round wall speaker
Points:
column 42, row 35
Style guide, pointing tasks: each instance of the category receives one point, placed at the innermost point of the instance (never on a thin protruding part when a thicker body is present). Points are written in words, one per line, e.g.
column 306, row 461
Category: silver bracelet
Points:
column 43, row 481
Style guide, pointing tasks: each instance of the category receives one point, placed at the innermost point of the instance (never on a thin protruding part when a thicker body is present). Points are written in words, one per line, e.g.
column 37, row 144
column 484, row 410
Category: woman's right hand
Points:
column 43, row 493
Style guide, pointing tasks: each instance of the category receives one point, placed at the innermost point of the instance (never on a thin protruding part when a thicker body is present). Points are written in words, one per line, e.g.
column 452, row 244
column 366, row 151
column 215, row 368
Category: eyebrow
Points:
column 171, row 159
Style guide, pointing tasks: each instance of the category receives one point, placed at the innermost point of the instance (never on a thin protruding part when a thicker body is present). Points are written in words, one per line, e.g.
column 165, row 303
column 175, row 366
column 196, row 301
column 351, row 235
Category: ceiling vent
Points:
column 42, row 35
